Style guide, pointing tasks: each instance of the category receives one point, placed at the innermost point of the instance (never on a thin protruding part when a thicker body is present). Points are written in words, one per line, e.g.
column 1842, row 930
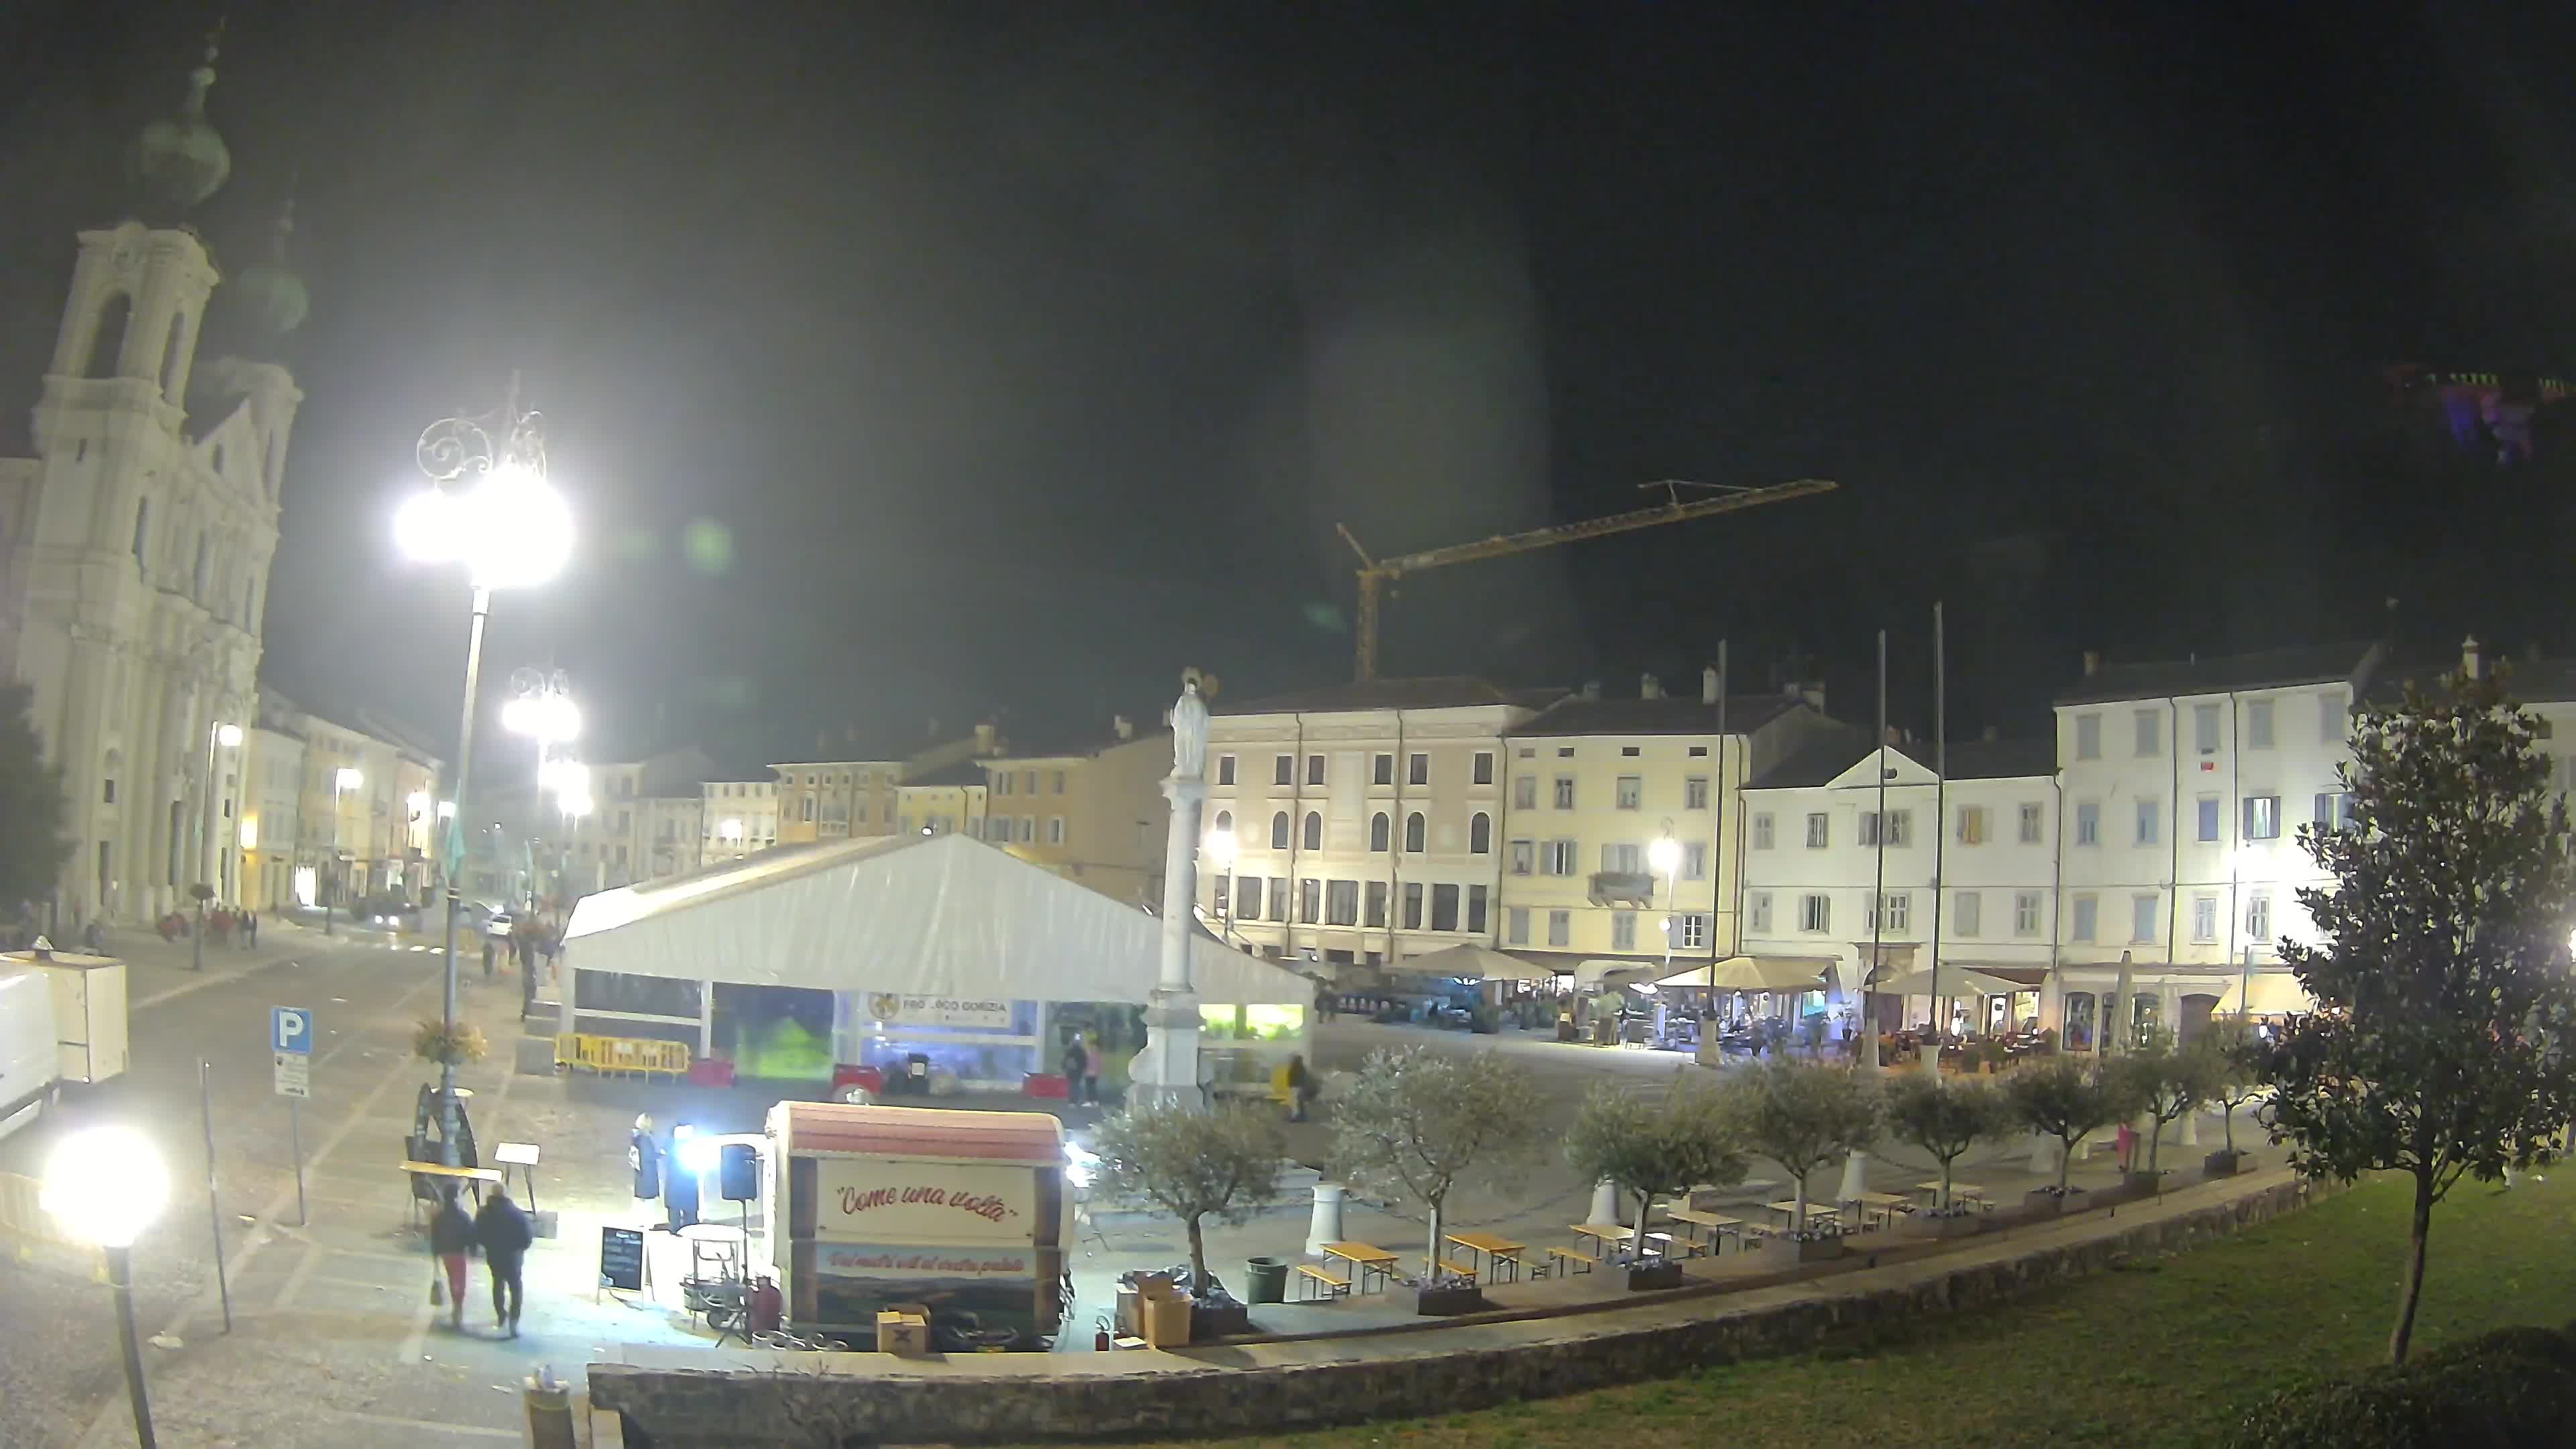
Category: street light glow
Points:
column 228, row 735
column 730, row 830
column 348, row 778
column 446, row 809
column 510, row 528
column 250, row 832
column 575, row 805
column 1221, row 846
column 549, row 718
column 1664, row 854
column 105, row 1185
column 567, row 778
column 418, row 802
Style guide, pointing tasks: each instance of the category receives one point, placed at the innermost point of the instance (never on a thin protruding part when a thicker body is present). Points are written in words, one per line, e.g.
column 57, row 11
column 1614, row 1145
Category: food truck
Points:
column 873, row 1208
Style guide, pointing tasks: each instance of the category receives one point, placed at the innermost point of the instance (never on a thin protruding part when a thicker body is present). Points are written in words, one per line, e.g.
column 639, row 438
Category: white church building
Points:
column 138, row 538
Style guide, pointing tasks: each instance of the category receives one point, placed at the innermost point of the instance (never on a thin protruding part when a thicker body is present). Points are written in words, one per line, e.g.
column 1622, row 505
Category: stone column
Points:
column 1326, row 1225
column 1167, row 1070
column 1605, row 1203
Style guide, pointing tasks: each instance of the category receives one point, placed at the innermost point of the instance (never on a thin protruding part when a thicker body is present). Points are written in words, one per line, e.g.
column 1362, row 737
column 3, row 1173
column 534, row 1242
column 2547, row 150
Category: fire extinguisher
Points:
column 1100, row 1339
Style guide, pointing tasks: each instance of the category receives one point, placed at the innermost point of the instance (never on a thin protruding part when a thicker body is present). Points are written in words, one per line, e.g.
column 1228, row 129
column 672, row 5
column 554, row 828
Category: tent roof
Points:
column 1472, row 960
column 2266, row 993
column 940, row 915
column 1756, row 973
column 1956, row 980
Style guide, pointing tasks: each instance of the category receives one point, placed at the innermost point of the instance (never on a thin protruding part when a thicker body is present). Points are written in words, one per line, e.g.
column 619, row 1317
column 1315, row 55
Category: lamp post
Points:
column 541, row 708
column 229, row 736
column 343, row 781
column 730, row 832
column 104, row 1186
column 1221, row 847
column 489, row 508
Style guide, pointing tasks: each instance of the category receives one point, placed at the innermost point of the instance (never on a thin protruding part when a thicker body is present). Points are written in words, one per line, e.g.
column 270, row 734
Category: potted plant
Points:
column 1195, row 1165
column 1800, row 1115
column 436, row 1042
column 1648, row 1152
column 1945, row 1119
column 1417, row 1124
column 1818, row 1242
column 2065, row 1098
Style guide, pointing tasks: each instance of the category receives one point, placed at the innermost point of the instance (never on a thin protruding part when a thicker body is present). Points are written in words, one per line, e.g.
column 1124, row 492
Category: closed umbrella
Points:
column 2115, row 1022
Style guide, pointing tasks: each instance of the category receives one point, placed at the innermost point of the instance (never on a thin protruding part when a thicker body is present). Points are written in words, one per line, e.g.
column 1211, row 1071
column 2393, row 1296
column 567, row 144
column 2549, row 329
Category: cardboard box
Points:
column 1167, row 1322
column 903, row 1329
column 1155, row 1286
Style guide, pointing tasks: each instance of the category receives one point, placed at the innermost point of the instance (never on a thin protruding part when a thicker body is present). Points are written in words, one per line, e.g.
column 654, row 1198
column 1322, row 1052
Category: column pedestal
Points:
column 1326, row 1225
column 1605, row 1204
column 1166, row 1072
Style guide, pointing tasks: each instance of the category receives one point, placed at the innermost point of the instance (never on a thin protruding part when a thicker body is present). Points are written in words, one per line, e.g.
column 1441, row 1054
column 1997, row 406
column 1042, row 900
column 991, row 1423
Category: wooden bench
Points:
column 1459, row 1266
column 1333, row 1287
column 1664, row 1243
column 1571, row 1256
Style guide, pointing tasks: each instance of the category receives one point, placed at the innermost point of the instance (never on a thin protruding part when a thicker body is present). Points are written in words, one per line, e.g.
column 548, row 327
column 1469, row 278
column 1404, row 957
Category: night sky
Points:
column 915, row 361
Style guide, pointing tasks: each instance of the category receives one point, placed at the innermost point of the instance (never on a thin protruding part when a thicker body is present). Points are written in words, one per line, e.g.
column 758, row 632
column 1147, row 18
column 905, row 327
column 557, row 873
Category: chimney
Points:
column 1122, row 726
column 1708, row 685
column 2469, row 657
column 1592, row 691
column 984, row 738
column 2092, row 662
column 1649, row 687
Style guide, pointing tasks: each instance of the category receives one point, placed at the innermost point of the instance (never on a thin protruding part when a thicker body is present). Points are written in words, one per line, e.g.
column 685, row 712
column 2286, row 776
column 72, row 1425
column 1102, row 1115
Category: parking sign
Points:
column 290, row 1029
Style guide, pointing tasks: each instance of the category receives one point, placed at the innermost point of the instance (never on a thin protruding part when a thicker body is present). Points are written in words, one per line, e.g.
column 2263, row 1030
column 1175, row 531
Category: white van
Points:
column 30, row 1049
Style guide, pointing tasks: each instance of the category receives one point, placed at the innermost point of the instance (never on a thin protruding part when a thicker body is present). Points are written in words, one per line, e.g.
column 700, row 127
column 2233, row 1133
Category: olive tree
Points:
column 2162, row 1084
column 2438, row 1049
column 1945, row 1117
column 2068, row 1099
column 2234, row 1060
column 1800, row 1115
column 1417, row 1124
column 1649, row 1151
column 1192, row 1164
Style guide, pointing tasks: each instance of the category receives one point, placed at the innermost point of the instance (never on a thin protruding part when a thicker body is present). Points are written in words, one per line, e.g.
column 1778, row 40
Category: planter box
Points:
column 1209, row 1323
column 1925, row 1225
column 1439, row 1302
column 2222, row 1163
column 1820, row 1250
column 2039, row 1202
column 2141, row 1183
column 1662, row 1274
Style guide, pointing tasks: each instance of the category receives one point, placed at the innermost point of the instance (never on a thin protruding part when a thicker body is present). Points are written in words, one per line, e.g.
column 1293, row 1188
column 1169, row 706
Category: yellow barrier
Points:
column 30, row 1229
column 620, row 1054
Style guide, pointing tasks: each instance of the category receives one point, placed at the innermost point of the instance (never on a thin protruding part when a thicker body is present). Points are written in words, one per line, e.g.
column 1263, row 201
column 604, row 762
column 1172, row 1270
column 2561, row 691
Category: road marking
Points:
column 392, row 1422
column 295, row 1279
column 202, row 982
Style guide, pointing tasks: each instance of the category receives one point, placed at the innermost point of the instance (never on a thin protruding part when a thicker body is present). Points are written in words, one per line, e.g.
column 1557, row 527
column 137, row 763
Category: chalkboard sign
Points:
column 621, row 1259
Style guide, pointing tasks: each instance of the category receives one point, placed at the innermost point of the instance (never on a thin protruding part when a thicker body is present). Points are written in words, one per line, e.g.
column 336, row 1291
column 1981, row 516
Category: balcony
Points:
column 1634, row 887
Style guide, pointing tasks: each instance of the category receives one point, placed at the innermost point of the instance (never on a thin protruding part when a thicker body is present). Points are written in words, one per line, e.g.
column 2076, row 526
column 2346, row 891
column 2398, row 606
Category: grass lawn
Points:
column 2165, row 1352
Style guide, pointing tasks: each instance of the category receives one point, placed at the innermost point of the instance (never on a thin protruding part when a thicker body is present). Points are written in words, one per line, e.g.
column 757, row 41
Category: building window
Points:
column 1564, row 799
column 1815, row 913
column 2207, row 825
column 1279, row 831
column 2150, row 726
column 1695, row 793
column 2258, row 724
column 2142, row 919
column 1623, row 930
column 1413, row 905
column 1631, row 793
column 2334, row 810
column 1629, row 751
column 1819, row 830
column 1484, row 771
column 142, row 530
column 1417, row 770
column 1310, row 900
column 205, row 565
column 1524, row 857
column 1225, row 821
column 109, row 787
column 1314, row 769
column 1382, row 770
column 1028, row 830
column 2331, row 728
column 2204, row 728
column 2088, row 737
column 1225, row 769
column 1565, row 752
column 1480, row 834
column 2258, row 918
column 1279, row 898
column 1476, row 910
column 1967, row 913
column 1695, row 860
column 1342, row 903
column 1379, row 829
column 1055, row 784
column 1314, row 830
column 1283, row 770
column 1972, row 825
column 1376, row 904
column 1899, row 908
column 1622, row 858
column 2150, row 821
column 1560, row 857
column 1560, row 928
column 1757, row 911
column 2204, row 918
column 1055, row 830
column 2030, row 822
column 2088, row 822
column 1218, row 897
column 2262, row 817
column 2025, row 913
column 1516, row 926
column 2088, row 911
column 1413, row 833
column 1525, row 792
column 1762, row 831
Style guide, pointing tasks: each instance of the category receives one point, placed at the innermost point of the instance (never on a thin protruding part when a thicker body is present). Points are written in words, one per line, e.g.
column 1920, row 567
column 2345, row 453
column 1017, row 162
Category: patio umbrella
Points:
column 2115, row 1023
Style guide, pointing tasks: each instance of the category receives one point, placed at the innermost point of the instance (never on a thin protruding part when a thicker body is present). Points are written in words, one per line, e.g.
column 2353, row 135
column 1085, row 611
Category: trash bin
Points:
column 549, row 1411
column 1265, row 1280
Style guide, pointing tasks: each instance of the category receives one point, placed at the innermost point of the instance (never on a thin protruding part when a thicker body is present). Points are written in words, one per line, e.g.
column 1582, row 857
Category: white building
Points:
column 647, row 821
column 1594, row 783
column 1368, row 817
column 1962, row 871
column 738, row 817
column 139, row 538
column 2183, row 786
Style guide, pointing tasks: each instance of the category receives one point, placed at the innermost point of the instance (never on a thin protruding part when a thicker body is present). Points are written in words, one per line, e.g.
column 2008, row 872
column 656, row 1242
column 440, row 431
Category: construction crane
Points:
column 1375, row 574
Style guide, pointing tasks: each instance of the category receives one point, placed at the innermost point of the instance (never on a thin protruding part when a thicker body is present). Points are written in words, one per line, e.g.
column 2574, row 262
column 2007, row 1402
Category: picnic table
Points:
column 1715, row 1225
column 1496, row 1251
column 1888, row 1204
column 1605, row 1235
column 1788, row 1212
column 1961, row 1191
column 1364, row 1258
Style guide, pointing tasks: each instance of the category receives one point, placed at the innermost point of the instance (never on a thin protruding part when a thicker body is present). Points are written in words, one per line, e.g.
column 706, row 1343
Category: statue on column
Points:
column 1189, row 732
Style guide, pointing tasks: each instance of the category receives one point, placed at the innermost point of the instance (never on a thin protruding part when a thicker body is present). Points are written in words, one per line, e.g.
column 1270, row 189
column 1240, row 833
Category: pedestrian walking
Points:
column 250, row 931
column 1301, row 1087
column 504, row 1234
column 1077, row 1066
column 1091, row 1067
column 451, row 1237
column 93, row 940
column 644, row 1159
column 489, row 951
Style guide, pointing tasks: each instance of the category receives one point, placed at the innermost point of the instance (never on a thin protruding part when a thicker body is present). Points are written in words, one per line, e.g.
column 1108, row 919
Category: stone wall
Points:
column 837, row 1400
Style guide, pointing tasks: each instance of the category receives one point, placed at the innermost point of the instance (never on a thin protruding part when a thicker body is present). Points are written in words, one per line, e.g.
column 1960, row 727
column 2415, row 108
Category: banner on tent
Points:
column 898, row 1010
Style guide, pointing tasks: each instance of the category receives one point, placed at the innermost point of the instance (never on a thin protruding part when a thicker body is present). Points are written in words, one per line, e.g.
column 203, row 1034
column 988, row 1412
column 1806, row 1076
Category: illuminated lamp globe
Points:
column 229, row 736
column 1664, row 854
column 510, row 528
column 348, row 778
column 1221, row 847
column 105, row 1185
column 550, row 717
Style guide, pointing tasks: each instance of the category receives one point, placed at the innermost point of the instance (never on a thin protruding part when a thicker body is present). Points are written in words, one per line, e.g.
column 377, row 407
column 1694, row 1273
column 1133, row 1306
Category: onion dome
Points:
column 268, row 294
column 179, row 161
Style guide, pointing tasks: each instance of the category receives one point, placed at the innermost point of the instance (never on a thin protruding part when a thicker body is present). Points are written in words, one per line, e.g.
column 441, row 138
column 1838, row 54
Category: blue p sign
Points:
column 290, row 1029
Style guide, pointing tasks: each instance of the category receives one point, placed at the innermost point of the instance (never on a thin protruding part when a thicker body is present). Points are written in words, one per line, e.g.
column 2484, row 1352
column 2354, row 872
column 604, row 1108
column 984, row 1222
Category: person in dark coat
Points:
column 644, row 1159
column 1077, row 1066
column 451, row 1237
column 504, row 1233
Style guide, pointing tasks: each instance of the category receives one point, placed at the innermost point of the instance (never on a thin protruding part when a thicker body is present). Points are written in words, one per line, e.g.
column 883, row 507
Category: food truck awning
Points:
column 1474, row 962
column 1032, row 1138
column 942, row 915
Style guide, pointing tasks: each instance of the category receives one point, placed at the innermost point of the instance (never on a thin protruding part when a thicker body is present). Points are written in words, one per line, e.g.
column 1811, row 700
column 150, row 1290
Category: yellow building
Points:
column 1094, row 811
column 848, row 799
column 333, row 811
column 944, row 800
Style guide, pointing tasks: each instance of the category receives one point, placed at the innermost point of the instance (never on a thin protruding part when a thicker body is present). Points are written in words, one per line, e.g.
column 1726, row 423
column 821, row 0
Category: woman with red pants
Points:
column 451, row 1236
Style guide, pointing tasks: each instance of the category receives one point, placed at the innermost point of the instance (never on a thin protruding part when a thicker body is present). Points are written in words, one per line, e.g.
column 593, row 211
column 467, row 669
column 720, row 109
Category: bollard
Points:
column 549, row 1411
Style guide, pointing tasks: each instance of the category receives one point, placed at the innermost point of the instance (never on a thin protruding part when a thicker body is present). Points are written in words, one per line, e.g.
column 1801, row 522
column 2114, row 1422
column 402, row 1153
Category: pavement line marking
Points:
column 295, row 1279
column 393, row 1422
column 201, row 983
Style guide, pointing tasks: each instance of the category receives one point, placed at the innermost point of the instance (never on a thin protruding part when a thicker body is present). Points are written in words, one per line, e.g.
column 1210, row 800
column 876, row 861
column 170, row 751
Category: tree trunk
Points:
column 1431, row 1264
column 1798, row 1218
column 2155, row 1139
column 2065, row 1161
column 2412, row 1289
column 2227, row 1123
column 1947, row 1163
column 1637, row 1244
column 1198, row 1260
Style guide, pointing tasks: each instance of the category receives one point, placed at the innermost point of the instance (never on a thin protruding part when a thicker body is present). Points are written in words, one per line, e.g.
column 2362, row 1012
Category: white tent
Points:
column 1473, row 962
column 941, row 915
column 1758, row 973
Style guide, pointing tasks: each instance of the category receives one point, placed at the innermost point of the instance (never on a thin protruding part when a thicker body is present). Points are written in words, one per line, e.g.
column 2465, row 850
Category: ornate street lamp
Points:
column 104, row 1186
column 490, row 509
